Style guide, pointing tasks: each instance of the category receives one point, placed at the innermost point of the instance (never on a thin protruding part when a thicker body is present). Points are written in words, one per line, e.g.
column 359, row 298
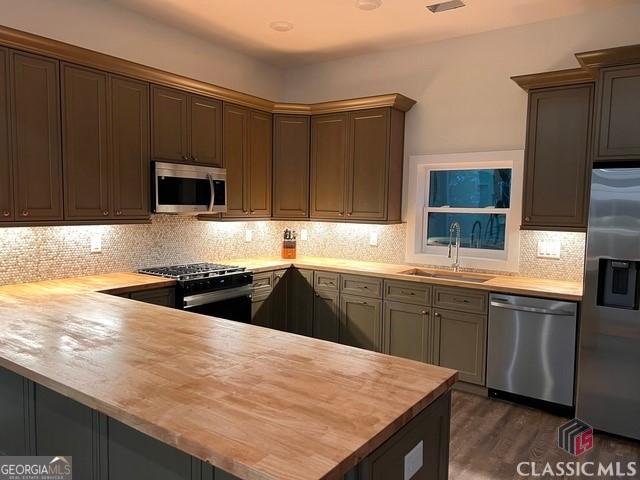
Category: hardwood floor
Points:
column 490, row 437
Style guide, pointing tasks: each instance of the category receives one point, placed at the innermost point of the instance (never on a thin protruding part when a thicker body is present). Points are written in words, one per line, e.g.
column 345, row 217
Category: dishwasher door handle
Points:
column 542, row 311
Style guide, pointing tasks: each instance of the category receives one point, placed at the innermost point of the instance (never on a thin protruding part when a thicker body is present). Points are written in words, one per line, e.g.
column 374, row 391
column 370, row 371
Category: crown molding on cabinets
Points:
column 63, row 51
column 557, row 78
column 609, row 57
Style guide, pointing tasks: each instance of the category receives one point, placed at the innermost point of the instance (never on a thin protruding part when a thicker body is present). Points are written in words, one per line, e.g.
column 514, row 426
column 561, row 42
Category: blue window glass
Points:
column 470, row 188
column 477, row 230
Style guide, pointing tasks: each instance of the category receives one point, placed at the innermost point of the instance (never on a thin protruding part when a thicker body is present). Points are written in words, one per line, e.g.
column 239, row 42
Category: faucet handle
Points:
column 449, row 254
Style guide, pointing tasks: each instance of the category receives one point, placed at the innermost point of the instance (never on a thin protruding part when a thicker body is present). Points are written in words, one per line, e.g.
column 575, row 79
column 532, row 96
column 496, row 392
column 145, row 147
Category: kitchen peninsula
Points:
column 136, row 391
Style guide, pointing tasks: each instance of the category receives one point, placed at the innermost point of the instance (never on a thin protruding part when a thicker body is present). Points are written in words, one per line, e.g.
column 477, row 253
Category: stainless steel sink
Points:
column 461, row 277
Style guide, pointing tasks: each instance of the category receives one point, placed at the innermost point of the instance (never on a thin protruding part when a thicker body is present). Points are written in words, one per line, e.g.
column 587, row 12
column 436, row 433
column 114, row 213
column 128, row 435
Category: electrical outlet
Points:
column 96, row 243
column 549, row 249
column 248, row 235
column 373, row 239
column 304, row 234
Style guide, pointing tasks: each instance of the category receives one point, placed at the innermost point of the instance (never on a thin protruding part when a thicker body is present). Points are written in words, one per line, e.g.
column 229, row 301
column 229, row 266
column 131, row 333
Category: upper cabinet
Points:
column 356, row 165
column 248, row 160
column 290, row 166
column 6, row 184
column 618, row 136
column 558, row 158
column 35, row 129
column 186, row 128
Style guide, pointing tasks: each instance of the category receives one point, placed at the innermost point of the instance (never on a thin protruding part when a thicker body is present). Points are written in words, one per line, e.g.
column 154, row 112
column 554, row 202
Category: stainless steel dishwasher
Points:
column 532, row 350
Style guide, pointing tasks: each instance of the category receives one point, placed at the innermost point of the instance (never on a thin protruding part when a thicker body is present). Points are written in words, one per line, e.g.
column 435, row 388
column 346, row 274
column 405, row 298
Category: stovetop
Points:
column 193, row 271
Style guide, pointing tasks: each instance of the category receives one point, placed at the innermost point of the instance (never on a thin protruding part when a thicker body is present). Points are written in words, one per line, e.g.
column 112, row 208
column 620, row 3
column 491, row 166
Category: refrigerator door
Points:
column 608, row 396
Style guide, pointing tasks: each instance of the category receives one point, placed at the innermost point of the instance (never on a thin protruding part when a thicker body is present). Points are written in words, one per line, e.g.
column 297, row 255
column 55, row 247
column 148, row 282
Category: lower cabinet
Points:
column 278, row 300
column 462, row 343
column 326, row 315
column 409, row 331
column 360, row 322
column 300, row 302
column 165, row 297
column 14, row 414
column 269, row 299
column 261, row 311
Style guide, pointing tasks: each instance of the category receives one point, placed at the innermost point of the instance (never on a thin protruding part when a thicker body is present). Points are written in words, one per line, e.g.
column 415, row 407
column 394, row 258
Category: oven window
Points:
column 183, row 191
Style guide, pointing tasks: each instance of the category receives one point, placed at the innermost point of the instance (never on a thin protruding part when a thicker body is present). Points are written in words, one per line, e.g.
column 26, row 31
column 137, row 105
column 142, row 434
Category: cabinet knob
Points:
column 118, row 212
column 25, row 213
column 341, row 214
column 424, row 312
column 6, row 213
column 252, row 212
column 194, row 159
column 436, row 314
column 185, row 158
column 527, row 219
column 105, row 212
column 349, row 214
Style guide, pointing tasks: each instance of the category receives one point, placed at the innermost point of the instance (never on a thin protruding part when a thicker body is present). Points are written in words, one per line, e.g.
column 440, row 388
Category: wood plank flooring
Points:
column 490, row 437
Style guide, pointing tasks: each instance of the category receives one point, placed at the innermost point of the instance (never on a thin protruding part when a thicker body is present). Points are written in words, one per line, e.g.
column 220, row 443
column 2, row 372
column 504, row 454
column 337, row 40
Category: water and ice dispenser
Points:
column 618, row 285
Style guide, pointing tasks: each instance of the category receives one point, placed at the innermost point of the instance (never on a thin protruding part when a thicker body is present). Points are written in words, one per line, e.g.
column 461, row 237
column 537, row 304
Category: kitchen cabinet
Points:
column 16, row 417
column 186, row 128
column 6, row 177
column 84, row 143
column 326, row 314
column 105, row 146
column 461, row 343
column 247, row 158
column 618, row 137
column 360, row 322
column 35, row 131
column 300, row 302
column 165, row 297
column 291, row 139
column 261, row 311
column 558, row 158
column 278, row 300
column 408, row 331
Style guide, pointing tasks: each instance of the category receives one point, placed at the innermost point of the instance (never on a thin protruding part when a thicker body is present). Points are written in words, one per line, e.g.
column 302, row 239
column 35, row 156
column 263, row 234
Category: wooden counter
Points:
column 537, row 287
column 257, row 403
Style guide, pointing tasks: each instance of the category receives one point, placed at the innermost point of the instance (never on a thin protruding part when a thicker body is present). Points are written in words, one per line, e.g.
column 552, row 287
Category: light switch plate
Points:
column 373, row 239
column 413, row 461
column 549, row 249
column 304, row 234
column 96, row 243
column 248, row 235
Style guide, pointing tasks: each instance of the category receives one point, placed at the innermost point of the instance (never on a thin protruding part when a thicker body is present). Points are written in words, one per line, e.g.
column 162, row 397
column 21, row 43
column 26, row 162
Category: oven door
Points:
column 188, row 189
column 230, row 304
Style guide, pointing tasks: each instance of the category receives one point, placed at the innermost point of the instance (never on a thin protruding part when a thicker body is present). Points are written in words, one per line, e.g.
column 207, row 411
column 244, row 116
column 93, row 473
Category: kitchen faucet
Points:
column 456, row 263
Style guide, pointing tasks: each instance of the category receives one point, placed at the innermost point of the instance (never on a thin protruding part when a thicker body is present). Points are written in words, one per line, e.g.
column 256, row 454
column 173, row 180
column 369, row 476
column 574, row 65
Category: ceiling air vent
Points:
column 444, row 6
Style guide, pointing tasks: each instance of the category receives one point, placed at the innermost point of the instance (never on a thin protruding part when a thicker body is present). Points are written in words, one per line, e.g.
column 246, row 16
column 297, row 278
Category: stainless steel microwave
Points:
column 188, row 189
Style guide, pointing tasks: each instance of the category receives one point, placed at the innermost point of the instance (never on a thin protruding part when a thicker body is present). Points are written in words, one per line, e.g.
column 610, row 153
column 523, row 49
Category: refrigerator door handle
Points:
column 520, row 308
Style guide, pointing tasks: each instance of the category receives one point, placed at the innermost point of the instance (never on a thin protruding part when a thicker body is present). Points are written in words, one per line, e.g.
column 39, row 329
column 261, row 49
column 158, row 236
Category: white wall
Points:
column 108, row 28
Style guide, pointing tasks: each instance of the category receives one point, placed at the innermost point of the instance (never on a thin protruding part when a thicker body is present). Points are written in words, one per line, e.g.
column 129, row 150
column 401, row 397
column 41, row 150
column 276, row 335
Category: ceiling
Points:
column 329, row 29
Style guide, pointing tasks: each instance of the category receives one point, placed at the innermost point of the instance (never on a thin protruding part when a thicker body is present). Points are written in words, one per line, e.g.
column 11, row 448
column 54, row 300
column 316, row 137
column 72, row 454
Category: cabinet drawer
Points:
column 326, row 280
column 363, row 286
column 262, row 282
column 460, row 299
column 165, row 297
column 407, row 292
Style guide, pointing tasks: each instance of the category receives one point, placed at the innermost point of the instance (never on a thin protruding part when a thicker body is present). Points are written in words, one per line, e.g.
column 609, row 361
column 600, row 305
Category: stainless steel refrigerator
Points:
column 609, row 355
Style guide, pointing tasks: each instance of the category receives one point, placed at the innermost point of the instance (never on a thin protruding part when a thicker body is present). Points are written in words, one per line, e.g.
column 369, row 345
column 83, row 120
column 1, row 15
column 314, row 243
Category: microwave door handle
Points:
column 213, row 192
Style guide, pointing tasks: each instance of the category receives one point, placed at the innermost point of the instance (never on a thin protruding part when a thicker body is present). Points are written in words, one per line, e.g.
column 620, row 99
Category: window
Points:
column 478, row 199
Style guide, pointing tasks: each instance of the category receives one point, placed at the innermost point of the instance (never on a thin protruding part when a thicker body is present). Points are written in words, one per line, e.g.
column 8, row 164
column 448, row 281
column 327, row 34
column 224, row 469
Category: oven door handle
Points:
column 213, row 192
column 216, row 296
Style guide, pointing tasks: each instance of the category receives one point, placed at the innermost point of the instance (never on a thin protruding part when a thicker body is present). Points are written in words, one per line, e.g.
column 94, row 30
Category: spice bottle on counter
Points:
column 289, row 244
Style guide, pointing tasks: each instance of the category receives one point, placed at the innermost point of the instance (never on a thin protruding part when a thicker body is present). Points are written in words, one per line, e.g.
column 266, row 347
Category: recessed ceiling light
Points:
column 368, row 4
column 281, row 26
column 444, row 6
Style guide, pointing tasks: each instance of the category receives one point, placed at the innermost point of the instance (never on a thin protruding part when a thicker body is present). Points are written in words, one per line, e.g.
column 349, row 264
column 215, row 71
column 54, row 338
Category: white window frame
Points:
column 420, row 167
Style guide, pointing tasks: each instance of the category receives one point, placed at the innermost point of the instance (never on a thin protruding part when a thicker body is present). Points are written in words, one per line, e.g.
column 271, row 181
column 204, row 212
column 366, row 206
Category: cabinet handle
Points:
column 105, row 212
column 6, row 213
column 25, row 213
column 365, row 287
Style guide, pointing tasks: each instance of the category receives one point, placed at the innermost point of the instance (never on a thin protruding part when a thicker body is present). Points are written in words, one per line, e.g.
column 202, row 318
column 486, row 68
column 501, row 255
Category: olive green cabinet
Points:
column 409, row 331
column 279, row 299
column 618, row 137
column 261, row 311
column 300, row 302
column 462, row 343
column 360, row 322
column 6, row 169
column 290, row 166
column 326, row 314
column 16, row 415
column 558, row 158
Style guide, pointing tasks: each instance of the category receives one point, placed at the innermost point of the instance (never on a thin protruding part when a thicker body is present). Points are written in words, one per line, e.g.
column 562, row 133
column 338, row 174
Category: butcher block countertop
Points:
column 536, row 287
column 258, row 403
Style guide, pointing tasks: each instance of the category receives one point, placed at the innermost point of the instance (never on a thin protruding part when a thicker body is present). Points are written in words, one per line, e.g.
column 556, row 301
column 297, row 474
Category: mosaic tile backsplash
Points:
column 38, row 253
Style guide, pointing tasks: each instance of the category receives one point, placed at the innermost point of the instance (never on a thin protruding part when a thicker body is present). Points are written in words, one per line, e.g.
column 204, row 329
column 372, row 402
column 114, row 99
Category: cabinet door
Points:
column 37, row 159
column 84, row 143
column 130, row 148
column 6, row 177
column 14, row 414
column 300, row 315
column 291, row 166
column 326, row 315
column 170, row 125
column 558, row 162
column 361, row 322
column 329, row 153
column 261, row 311
column 64, row 426
column 258, row 179
column 408, row 331
column 462, row 343
column 278, row 299
column 165, row 297
column 367, row 167
column 619, row 113
column 235, row 158
column 206, row 131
